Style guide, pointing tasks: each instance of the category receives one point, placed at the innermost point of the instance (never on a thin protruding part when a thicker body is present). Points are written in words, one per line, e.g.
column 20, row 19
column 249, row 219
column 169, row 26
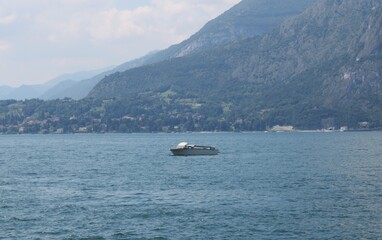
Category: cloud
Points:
column 115, row 24
column 8, row 19
column 4, row 46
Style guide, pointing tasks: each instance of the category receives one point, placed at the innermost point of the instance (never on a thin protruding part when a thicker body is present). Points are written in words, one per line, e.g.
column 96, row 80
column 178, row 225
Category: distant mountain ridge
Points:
column 247, row 19
column 46, row 90
column 320, row 68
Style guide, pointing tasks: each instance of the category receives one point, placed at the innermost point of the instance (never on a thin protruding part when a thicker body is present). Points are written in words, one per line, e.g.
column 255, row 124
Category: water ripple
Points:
column 262, row 186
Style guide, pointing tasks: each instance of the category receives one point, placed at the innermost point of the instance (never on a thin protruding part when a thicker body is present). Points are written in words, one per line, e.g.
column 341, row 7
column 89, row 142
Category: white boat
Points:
column 185, row 149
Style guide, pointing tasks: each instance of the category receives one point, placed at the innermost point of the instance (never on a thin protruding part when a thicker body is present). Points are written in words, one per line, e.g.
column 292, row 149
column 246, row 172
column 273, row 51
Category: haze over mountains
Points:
column 247, row 19
column 49, row 90
column 310, row 64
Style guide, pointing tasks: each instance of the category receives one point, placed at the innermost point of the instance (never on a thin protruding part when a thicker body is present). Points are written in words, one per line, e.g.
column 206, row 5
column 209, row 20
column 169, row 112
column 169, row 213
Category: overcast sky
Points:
column 41, row 39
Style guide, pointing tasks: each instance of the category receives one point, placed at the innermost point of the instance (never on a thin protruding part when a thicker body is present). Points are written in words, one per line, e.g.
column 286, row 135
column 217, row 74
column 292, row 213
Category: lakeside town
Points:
column 128, row 124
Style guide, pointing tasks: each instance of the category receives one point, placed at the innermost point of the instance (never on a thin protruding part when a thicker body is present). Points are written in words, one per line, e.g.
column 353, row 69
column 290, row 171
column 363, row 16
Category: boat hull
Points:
column 194, row 152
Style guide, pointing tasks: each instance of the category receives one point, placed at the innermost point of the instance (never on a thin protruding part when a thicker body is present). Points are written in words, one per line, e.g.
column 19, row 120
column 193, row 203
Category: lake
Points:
column 128, row 186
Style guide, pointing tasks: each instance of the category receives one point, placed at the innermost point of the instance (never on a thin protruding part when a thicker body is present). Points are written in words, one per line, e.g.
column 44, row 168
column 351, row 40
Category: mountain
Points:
column 5, row 90
column 57, row 90
column 319, row 69
column 77, row 76
column 80, row 88
column 247, row 19
column 24, row 92
column 46, row 90
column 71, row 85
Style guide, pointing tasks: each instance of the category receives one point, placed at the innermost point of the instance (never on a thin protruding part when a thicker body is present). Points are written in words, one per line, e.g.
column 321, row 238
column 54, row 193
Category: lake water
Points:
column 128, row 186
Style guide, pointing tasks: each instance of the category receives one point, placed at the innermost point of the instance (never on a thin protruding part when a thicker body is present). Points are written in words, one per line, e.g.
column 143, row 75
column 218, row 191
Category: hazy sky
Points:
column 41, row 39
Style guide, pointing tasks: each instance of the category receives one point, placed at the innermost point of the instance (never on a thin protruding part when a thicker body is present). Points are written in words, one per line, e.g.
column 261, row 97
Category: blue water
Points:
column 128, row 186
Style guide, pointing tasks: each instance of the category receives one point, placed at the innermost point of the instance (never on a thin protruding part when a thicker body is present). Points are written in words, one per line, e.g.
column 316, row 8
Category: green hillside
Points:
column 322, row 67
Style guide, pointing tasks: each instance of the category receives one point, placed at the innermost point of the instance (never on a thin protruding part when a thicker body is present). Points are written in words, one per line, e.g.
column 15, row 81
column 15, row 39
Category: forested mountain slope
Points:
column 321, row 67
